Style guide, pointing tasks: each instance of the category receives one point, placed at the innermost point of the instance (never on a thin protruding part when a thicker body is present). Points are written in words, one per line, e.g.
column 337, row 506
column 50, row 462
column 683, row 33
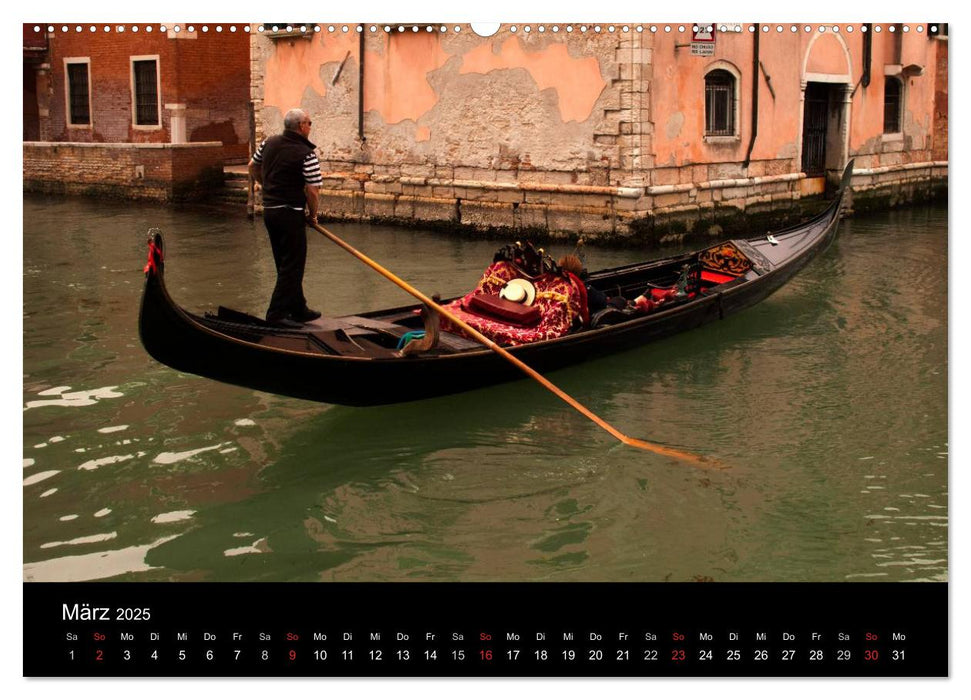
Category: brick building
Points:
column 183, row 91
column 35, row 63
column 613, row 130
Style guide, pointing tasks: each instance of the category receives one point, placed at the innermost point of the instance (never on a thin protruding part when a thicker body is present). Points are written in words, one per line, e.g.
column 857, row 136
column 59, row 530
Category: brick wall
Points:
column 130, row 171
column 31, row 109
column 207, row 72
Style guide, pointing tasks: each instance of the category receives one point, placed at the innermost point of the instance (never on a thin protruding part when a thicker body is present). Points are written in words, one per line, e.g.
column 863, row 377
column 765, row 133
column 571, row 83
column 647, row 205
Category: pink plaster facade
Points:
column 788, row 61
column 593, row 132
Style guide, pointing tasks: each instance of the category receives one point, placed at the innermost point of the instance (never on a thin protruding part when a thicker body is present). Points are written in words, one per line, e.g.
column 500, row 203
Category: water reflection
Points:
column 828, row 401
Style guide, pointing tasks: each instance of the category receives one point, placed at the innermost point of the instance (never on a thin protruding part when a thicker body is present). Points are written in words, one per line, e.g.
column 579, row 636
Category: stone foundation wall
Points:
column 697, row 201
column 160, row 172
column 891, row 186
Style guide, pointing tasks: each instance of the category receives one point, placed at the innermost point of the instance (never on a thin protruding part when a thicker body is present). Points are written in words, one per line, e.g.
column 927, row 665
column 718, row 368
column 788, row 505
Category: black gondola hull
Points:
column 193, row 344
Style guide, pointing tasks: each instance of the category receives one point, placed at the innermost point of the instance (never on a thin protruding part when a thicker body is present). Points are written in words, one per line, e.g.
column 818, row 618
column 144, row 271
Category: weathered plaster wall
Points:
column 867, row 140
column 577, row 82
column 785, row 58
column 679, row 90
column 569, row 133
column 678, row 99
column 507, row 103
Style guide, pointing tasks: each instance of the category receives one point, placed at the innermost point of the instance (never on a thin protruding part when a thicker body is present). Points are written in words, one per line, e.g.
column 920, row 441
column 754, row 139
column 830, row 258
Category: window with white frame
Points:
column 720, row 89
column 77, row 74
column 145, row 91
column 893, row 91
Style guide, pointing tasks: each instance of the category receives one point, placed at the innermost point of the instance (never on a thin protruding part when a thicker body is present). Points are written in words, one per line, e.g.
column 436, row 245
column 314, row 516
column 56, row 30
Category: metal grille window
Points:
column 892, row 103
column 145, row 74
column 719, row 103
column 79, row 107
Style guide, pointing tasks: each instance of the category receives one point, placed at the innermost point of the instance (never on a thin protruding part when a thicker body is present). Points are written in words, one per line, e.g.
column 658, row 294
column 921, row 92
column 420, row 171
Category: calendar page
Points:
column 450, row 349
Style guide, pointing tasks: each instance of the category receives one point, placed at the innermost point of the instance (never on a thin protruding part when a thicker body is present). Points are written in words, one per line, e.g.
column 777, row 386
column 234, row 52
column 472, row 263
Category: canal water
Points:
column 827, row 402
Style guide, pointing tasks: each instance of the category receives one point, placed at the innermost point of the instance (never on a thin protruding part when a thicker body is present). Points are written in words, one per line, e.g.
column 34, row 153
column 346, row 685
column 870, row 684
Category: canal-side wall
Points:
column 605, row 133
column 435, row 197
column 153, row 171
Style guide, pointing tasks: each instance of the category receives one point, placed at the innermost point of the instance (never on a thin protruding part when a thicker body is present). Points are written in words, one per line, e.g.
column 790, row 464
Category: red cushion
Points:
column 504, row 310
column 659, row 296
column 716, row 277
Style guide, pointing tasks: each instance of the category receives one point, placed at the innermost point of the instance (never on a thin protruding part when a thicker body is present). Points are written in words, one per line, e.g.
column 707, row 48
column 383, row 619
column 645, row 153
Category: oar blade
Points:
column 700, row 461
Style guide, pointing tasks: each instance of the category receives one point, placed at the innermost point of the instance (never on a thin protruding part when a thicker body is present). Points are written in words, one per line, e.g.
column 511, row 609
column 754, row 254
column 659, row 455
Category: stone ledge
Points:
column 123, row 146
column 567, row 215
column 934, row 164
column 724, row 184
column 496, row 186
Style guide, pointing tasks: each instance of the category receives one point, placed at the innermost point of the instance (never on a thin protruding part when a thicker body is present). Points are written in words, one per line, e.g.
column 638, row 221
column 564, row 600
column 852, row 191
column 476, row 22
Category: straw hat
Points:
column 519, row 290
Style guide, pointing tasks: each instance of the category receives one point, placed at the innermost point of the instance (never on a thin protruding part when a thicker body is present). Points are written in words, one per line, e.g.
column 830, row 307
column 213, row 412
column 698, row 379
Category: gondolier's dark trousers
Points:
column 288, row 238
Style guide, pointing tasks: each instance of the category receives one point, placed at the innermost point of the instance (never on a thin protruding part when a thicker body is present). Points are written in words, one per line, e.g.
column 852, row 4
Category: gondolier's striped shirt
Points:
column 311, row 172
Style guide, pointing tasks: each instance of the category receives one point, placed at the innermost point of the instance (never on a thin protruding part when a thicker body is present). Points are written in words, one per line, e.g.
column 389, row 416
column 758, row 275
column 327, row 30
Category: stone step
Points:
column 235, row 189
column 231, row 195
column 236, row 197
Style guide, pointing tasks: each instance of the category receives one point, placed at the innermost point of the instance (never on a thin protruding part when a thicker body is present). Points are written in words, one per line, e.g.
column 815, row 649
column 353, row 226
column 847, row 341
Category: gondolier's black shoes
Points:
column 294, row 318
column 305, row 316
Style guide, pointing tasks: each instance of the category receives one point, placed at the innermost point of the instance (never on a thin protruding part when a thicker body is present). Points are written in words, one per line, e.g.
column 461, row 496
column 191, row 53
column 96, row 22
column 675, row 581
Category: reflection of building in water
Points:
column 614, row 130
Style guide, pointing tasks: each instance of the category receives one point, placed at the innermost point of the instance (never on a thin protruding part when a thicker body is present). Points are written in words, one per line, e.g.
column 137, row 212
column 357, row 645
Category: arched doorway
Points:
column 826, row 90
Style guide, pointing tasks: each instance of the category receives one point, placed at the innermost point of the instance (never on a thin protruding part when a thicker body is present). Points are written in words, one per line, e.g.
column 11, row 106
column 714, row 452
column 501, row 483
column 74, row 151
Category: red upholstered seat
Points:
column 558, row 300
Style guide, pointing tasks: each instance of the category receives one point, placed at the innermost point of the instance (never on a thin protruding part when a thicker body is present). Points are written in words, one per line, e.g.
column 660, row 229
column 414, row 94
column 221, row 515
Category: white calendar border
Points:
column 828, row 11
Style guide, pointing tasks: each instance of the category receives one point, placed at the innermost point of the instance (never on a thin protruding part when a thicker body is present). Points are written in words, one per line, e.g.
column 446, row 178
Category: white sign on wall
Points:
column 703, row 39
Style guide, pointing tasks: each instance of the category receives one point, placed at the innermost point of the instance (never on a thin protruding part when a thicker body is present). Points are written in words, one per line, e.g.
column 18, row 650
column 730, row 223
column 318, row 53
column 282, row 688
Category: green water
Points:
column 828, row 403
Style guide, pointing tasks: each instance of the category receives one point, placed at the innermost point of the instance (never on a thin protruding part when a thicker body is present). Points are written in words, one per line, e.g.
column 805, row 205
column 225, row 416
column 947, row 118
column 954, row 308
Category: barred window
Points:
column 78, row 100
column 145, row 82
column 719, row 103
column 892, row 105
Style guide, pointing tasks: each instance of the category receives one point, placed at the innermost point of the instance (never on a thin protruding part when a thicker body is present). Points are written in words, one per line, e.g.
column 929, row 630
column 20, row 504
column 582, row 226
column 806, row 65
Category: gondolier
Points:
column 287, row 168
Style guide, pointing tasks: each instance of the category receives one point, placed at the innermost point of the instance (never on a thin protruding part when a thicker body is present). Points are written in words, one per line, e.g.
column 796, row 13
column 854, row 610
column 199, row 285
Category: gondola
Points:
column 358, row 360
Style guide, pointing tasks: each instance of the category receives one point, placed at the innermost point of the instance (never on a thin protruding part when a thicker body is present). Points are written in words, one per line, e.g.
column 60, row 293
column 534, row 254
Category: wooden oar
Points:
column 509, row 357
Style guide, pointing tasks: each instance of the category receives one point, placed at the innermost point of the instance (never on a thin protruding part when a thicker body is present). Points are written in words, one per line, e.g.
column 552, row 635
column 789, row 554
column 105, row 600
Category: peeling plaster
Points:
column 674, row 126
column 396, row 81
column 512, row 124
column 289, row 73
column 577, row 81
column 483, row 104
